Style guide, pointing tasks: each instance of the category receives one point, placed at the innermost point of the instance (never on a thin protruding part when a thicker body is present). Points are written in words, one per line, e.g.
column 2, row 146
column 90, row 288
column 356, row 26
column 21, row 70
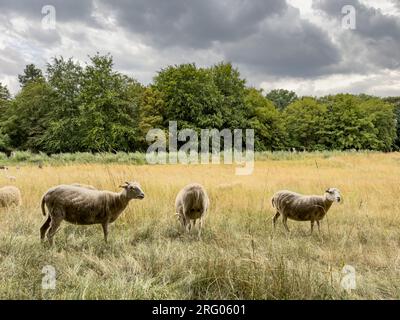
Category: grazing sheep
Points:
column 82, row 185
column 9, row 196
column 84, row 206
column 191, row 204
column 3, row 168
column 303, row 208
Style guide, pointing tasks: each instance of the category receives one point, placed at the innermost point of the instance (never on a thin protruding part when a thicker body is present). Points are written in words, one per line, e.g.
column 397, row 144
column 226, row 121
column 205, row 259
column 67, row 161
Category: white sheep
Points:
column 303, row 208
column 191, row 204
column 10, row 196
column 85, row 206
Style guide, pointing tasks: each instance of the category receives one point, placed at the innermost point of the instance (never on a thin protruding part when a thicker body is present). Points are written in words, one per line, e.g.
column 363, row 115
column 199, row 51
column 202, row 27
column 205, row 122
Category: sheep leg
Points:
column 319, row 230
column 105, row 231
column 284, row 221
column 201, row 227
column 44, row 228
column 312, row 227
column 54, row 225
column 275, row 218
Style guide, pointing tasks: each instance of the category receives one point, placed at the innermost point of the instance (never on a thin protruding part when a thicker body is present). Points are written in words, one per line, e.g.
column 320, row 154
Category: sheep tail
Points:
column 43, row 205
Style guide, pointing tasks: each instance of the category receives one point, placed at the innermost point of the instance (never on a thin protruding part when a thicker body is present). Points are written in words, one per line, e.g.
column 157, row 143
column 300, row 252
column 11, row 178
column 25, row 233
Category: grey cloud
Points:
column 371, row 23
column 193, row 23
column 65, row 10
column 11, row 61
column 377, row 36
column 287, row 46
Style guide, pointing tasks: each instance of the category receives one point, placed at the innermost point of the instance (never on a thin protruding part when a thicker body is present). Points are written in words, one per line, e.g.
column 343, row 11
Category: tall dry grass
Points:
column 239, row 257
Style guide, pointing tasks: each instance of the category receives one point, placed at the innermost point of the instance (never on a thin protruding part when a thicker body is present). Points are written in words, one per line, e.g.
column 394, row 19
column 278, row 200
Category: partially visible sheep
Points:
column 303, row 208
column 10, row 196
column 85, row 206
column 82, row 185
column 191, row 204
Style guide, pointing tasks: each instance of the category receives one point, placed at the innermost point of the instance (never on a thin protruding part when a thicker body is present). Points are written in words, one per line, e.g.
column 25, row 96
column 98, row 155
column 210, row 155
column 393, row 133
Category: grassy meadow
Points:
column 239, row 256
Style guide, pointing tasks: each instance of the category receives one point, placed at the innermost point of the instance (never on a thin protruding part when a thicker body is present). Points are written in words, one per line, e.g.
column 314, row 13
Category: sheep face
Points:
column 333, row 194
column 133, row 190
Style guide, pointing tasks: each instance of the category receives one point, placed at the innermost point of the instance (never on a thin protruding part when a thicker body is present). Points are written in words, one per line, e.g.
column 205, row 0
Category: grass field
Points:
column 239, row 256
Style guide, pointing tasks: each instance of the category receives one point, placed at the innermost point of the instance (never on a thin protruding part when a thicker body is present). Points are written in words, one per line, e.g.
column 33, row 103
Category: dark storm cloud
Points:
column 267, row 35
column 65, row 10
column 376, row 34
column 193, row 23
column 288, row 46
column 371, row 23
column 266, row 39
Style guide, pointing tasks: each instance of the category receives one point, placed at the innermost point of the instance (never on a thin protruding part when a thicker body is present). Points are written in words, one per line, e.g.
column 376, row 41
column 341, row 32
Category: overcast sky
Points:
column 299, row 45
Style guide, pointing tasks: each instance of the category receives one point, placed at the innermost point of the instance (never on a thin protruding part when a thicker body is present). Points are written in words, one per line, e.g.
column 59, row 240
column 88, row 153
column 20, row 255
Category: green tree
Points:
column 265, row 119
column 108, row 112
column 346, row 125
column 4, row 94
column 232, row 89
column 303, row 120
column 190, row 97
column 383, row 117
column 4, row 104
column 31, row 74
column 395, row 101
column 26, row 118
column 150, row 115
column 281, row 98
column 62, row 134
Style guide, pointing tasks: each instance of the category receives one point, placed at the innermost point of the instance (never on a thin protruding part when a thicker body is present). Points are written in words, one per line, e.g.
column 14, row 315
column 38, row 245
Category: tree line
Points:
column 70, row 108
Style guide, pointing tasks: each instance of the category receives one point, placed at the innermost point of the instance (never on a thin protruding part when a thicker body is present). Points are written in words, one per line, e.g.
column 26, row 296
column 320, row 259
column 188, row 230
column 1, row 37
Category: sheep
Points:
column 82, row 185
column 191, row 204
column 9, row 196
column 303, row 208
column 84, row 206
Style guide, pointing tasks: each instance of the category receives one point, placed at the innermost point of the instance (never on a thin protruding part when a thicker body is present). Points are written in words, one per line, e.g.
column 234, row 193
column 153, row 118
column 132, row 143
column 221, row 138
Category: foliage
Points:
column 281, row 98
column 31, row 74
column 97, row 109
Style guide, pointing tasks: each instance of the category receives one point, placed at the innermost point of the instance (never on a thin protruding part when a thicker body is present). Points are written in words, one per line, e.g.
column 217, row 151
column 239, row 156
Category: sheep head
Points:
column 333, row 194
column 133, row 190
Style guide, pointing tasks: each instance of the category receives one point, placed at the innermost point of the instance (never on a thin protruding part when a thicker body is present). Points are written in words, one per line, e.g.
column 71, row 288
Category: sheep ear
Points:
column 327, row 190
column 124, row 185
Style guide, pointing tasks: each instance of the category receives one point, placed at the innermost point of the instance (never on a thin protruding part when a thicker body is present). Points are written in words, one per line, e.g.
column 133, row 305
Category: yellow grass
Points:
column 239, row 256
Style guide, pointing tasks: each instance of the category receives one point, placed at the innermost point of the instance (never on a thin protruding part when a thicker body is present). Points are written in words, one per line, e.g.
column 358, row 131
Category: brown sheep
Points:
column 10, row 196
column 303, row 208
column 84, row 206
column 191, row 204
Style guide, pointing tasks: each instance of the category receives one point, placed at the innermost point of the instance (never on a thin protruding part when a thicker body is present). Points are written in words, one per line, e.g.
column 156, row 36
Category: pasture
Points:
column 239, row 256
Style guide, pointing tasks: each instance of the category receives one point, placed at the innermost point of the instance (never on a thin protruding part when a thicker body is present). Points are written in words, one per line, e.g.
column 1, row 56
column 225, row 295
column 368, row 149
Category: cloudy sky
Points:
column 299, row 45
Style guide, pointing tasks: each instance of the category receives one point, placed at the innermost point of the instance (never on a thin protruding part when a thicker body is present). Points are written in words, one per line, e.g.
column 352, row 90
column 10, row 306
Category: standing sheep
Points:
column 303, row 208
column 10, row 196
column 191, row 204
column 85, row 206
